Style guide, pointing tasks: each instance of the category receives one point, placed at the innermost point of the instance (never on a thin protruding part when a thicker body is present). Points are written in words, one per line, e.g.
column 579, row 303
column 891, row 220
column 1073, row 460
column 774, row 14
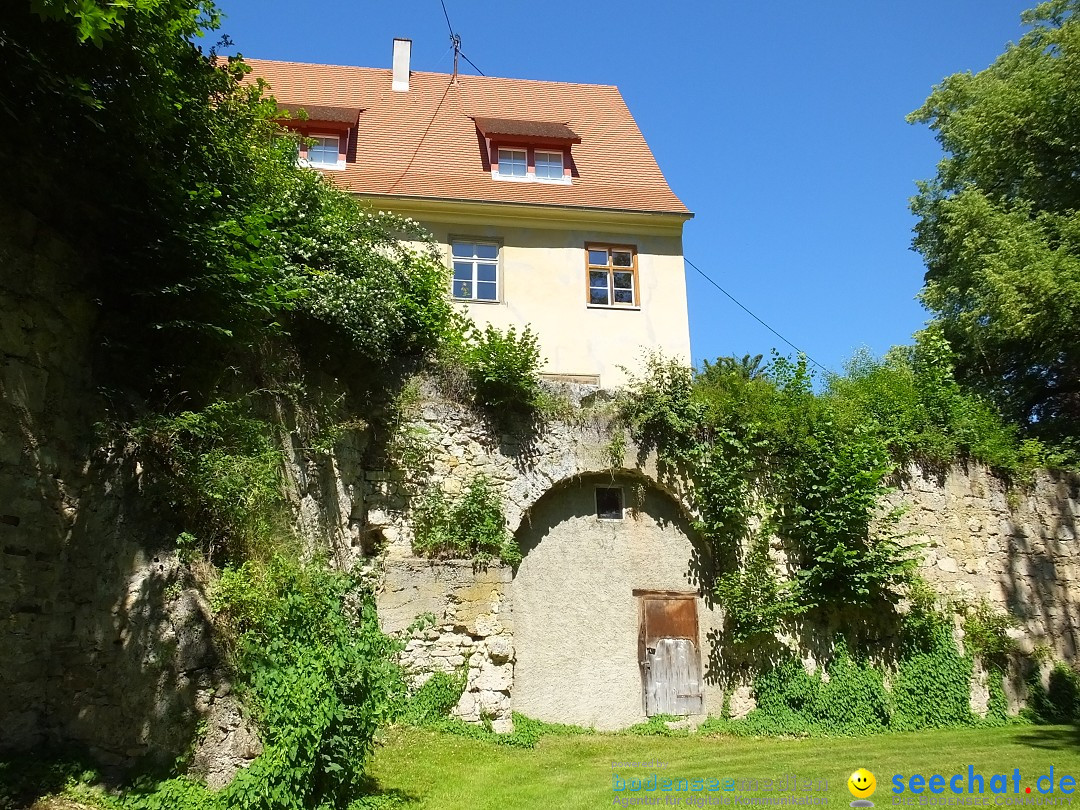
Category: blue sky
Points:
column 781, row 125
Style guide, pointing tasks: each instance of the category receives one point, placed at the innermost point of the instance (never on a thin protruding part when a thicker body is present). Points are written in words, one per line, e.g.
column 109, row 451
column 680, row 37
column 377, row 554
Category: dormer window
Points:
column 513, row 163
column 323, row 133
column 322, row 151
column 528, row 151
column 549, row 165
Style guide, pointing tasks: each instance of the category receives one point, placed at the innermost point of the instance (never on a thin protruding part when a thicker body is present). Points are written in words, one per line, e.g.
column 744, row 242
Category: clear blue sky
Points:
column 780, row 125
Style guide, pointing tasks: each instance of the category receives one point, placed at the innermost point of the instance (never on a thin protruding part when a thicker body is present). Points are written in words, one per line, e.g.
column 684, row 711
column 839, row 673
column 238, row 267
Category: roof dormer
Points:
column 528, row 151
column 326, row 133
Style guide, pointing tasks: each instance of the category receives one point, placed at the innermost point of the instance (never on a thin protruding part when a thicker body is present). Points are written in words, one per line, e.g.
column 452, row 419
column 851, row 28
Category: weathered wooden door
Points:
column 668, row 652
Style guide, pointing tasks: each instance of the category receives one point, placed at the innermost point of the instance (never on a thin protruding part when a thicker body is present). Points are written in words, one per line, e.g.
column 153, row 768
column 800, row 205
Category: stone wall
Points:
column 106, row 640
column 977, row 537
column 471, row 628
column 1016, row 547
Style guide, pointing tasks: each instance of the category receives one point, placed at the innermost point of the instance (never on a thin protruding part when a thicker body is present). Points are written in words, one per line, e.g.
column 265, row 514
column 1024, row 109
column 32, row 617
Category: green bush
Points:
column 473, row 527
column 225, row 471
column 320, row 677
column 434, row 700
column 1060, row 701
column 911, row 400
column 504, row 367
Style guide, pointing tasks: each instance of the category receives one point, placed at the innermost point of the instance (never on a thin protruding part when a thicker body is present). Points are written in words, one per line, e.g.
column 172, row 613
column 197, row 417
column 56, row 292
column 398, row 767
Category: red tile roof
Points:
column 424, row 142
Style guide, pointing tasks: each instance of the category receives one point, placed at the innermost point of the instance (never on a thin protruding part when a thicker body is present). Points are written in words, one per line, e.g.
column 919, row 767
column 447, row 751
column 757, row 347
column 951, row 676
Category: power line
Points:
column 745, row 309
column 448, row 25
column 455, row 42
column 470, row 61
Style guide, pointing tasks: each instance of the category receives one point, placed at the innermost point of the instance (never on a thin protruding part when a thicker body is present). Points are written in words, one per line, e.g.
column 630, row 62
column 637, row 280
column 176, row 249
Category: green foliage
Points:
column 657, row 726
column 754, row 598
column 503, row 367
column 1059, row 702
column 986, row 634
column 911, row 400
column 472, row 527
column 434, row 700
column 216, row 239
column 928, row 685
column 766, row 455
column 526, row 734
column 791, row 701
column 319, row 676
column 224, row 467
column 999, row 226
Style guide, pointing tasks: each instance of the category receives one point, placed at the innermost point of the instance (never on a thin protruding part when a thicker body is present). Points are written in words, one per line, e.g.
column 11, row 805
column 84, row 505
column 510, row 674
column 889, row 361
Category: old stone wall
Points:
column 976, row 537
column 1014, row 546
column 106, row 640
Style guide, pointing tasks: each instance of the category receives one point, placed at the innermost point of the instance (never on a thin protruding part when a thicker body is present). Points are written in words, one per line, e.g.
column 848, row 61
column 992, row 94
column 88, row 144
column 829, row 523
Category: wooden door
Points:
column 668, row 652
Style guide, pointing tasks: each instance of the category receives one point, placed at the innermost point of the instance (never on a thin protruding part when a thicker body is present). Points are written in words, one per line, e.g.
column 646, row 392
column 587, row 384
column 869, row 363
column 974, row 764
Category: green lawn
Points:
column 434, row 770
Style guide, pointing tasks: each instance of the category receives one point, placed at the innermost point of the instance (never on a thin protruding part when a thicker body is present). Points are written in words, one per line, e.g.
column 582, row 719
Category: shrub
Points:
column 225, row 471
column 503, row 367
column 434, row 700
column 472, row 527
column 320, row 681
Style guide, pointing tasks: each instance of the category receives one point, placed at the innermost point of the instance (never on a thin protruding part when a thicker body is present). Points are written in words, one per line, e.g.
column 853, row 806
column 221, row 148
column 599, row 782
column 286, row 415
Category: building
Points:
column 550, row 208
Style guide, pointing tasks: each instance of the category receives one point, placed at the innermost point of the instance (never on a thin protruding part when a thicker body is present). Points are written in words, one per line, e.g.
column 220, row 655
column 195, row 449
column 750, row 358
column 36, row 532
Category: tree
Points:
column 999, row 226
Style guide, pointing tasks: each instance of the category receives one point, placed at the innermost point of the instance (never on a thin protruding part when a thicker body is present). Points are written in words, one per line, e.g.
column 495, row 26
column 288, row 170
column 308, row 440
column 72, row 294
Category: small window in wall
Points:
column 549, row 165
column 609, row 503
column 476, row 271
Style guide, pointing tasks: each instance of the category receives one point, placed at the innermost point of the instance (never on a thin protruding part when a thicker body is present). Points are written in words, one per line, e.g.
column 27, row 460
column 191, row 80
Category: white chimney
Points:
column 402, row 50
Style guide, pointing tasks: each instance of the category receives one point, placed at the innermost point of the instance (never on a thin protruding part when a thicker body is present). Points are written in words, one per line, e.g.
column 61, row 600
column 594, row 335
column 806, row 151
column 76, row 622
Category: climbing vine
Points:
column 769, row 456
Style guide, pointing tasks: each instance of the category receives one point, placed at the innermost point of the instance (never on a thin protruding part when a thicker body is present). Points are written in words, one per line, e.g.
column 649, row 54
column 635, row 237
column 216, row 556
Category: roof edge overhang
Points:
column 463, row 211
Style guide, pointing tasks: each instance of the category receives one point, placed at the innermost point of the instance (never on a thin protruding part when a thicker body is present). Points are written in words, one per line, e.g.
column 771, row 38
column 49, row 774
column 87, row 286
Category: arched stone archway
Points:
column 578, row 596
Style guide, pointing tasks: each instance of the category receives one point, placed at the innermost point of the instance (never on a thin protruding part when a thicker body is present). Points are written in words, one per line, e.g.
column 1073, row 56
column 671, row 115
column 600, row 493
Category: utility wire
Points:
column 448, row 25
column 456, row 40
column 739, row 304
column 470, row 61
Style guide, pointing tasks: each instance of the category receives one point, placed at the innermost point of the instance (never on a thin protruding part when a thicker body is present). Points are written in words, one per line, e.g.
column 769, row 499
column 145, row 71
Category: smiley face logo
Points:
column 862, row 784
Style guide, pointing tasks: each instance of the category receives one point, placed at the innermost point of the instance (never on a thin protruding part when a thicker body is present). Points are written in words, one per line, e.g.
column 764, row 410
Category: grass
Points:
column 419, row 768
column 439, row 771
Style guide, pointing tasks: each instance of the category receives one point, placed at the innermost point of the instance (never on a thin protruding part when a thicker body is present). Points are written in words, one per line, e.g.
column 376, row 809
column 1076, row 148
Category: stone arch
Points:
column 578, row 591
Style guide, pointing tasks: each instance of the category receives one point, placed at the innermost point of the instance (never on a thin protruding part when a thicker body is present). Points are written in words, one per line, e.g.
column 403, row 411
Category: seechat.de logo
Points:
column 862, row 785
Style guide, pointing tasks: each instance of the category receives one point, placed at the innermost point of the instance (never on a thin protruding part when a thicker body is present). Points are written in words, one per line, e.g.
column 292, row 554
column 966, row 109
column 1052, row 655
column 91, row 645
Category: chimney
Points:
column 402, row 50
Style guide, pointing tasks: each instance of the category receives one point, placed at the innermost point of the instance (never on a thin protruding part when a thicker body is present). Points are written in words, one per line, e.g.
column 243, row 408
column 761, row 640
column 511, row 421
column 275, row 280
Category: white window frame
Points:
column 562, row 165
column 506, row 176
column 476, row 261
column 338, row 163
column 530, row 153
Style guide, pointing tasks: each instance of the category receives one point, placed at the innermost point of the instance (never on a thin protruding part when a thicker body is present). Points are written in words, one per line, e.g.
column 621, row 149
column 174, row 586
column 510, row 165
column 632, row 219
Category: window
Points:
column 476, row 271
column 527, row 164
column 323, row 151
column 612, row 275
column 513, row 163
column 609, row 503
column 549, row 166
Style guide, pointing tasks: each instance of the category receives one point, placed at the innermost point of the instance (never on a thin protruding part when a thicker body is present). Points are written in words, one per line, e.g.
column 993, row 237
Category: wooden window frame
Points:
column 610, row 268
column 498, row 269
